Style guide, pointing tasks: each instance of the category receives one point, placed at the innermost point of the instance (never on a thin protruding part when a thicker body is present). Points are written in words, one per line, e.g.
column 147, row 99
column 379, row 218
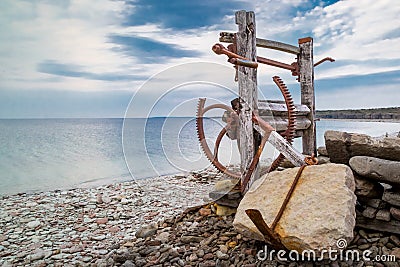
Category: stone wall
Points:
column 376, row 166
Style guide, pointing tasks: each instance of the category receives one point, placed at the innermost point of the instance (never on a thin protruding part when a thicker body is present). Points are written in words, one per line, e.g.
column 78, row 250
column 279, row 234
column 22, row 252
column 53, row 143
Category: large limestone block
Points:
column 381, row 170
column 320, row 212
column 341, row 146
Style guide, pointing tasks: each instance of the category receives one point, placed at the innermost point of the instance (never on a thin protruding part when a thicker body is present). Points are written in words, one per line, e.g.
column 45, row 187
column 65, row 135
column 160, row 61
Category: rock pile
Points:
column 376, row 166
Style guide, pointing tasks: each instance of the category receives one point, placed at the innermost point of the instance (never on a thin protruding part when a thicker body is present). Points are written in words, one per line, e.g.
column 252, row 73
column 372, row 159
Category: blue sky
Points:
column 82, row 58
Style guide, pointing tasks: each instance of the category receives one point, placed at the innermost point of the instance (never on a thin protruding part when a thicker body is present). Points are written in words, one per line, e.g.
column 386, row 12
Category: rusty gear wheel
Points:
column 213, row 156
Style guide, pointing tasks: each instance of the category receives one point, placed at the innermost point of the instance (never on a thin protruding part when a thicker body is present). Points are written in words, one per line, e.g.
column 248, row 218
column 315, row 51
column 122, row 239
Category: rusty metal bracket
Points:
column 233, row 58
column 323, row 60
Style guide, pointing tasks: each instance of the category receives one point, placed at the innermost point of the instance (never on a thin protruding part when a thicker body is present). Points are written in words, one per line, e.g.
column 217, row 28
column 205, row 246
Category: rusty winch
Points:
column 230, row 117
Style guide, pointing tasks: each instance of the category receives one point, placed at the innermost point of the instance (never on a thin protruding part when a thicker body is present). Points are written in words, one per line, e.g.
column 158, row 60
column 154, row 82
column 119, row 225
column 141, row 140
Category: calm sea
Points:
column 49, row 154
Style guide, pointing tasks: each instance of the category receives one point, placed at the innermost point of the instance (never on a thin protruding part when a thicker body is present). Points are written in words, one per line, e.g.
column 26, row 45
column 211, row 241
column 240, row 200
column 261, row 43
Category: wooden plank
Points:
column 227, row 37
column 306, row 78
column 278, row 108
column 247, row 79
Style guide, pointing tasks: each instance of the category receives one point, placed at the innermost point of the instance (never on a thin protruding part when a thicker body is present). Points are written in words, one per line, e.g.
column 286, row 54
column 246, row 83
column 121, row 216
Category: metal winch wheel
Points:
column 231, row 118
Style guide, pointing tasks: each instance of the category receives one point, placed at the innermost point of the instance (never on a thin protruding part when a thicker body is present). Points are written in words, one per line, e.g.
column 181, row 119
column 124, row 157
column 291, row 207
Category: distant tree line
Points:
column 373, row 114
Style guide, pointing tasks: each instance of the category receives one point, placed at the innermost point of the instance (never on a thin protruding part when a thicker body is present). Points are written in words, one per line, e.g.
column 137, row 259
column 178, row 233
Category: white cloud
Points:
column 74, row 33
column 355, row 30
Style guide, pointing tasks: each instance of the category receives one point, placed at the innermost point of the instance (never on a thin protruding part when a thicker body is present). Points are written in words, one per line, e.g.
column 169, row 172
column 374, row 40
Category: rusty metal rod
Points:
column 323, row 60
column 287, row 198
column 254, row 163
column 275, row 63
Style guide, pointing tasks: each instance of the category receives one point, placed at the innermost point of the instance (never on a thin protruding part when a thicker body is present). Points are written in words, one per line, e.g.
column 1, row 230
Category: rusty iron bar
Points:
column 287, row 198
column 267, row 61
column 323, row 60
column 311, row 160
column 269, row 235
column 234, row 58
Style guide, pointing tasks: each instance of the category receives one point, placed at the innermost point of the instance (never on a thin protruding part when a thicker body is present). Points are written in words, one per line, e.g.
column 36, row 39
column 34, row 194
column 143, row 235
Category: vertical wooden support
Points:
column 306, row 79
column 247, row 79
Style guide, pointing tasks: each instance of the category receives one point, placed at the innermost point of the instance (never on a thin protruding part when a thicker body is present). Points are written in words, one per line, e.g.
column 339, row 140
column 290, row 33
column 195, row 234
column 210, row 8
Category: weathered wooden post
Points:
column 247, row 80
column 306, row 79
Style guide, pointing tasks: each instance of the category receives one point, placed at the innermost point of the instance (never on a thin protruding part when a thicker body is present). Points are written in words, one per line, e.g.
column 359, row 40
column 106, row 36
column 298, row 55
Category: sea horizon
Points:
column 47, row 154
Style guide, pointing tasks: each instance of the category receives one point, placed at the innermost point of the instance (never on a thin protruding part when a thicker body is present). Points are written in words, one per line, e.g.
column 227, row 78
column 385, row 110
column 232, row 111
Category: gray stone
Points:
column 98, row 237
column 381, row 170
column 392, row 226
column 128, row 263
column 322, row 151
column 163, row 237
column 147, row 230
column 392, row 197
column 33, row 224
column 191, row 239
column 367, row 188
column 369, row 212
column 287, row 164
column 323, row 160
column 341, row 146
column 395, row 213
column 383, row 215
column 40, row 254
column 311, row 220
column 374, row 202
column 222, row 256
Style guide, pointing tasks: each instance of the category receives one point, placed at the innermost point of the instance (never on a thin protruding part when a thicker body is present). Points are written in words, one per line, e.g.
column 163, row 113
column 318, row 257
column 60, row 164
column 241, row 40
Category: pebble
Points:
column 33, row 224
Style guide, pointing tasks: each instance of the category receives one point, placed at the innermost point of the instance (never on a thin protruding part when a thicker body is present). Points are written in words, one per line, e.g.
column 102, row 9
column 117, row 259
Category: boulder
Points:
column 320, row 211
column 341, row 146
column 381, row 170
column 368, row 189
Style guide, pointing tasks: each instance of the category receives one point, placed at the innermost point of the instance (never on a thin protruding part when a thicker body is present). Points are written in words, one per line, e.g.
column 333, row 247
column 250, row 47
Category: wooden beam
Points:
column 227, row 37
column 306, row 79
column 278, row 108
column 280, row 124
column 247, row 80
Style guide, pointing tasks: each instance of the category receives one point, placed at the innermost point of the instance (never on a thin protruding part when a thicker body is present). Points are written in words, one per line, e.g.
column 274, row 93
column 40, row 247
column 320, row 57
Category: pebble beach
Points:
column 78, row 227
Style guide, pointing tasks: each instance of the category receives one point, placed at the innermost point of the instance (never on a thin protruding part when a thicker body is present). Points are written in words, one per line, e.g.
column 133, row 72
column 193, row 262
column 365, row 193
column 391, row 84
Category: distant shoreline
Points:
column 362, row 120
column 373, row 114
